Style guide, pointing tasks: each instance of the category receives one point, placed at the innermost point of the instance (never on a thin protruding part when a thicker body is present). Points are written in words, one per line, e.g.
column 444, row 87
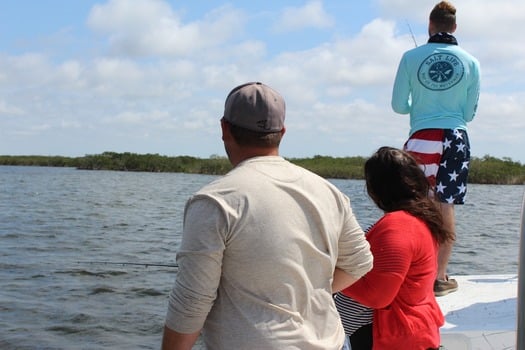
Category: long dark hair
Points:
column 394, row 181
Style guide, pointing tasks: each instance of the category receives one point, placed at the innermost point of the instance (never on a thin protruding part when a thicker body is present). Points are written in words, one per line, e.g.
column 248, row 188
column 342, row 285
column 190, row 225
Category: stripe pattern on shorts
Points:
column 427, row 147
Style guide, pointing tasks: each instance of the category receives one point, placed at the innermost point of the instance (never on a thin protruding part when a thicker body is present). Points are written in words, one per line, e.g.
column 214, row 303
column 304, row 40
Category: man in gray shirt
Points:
column 265, row 246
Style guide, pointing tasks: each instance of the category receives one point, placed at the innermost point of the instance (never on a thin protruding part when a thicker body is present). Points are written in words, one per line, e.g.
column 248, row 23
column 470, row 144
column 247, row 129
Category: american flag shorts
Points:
column 444, row 156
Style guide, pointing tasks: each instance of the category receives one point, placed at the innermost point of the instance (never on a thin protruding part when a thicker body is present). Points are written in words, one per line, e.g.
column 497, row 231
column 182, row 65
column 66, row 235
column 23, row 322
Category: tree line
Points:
column 485, row 170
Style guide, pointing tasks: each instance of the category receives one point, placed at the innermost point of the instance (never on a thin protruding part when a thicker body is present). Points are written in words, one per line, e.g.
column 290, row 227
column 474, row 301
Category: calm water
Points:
column 59, row 226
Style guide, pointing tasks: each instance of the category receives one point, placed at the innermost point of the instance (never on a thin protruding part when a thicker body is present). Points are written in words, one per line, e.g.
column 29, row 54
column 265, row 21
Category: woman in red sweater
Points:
column 404, row 243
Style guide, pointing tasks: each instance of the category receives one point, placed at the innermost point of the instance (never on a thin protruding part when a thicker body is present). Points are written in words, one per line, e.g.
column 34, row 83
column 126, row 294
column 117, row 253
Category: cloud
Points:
column 154, row 70
column 419, row 10
column 8, row 110
column 137, row 118
column 151, row 27
column 348, row 68
column 311, row 15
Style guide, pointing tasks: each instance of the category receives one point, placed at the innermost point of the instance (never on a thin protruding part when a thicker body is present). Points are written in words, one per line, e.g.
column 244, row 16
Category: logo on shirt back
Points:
column 440, row 71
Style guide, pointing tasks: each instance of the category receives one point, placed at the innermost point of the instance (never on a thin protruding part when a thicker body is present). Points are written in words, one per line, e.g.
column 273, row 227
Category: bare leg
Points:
column 445, row 250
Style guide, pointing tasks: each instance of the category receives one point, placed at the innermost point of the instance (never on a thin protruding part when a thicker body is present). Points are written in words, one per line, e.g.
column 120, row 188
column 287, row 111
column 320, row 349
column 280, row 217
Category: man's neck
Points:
column 253, row 152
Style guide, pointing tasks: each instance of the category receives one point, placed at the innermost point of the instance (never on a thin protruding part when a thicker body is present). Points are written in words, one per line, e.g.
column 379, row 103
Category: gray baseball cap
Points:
column 255, row 106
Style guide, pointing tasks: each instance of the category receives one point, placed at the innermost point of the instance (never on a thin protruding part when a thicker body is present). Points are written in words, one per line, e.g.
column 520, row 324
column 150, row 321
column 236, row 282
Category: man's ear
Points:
column 225, row 128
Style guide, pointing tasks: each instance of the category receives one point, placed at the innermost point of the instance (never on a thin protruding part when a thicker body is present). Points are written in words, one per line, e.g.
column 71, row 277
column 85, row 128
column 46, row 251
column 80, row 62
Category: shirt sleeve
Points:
column 354, row 257
column 392, row 256
column 473, row 91
column 199, row 262
column 401, row 90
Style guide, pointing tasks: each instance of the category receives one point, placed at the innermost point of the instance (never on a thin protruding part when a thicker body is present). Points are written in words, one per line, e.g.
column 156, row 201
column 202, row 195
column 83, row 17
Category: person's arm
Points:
column 341, row 280
column 471, row 104
column 354, row 256
column 392, row 259
column 401, row 90
column 172, row 340
column 199, row 259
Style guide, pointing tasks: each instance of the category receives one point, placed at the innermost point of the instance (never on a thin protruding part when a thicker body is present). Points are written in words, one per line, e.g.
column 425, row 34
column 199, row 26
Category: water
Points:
column 59, row 225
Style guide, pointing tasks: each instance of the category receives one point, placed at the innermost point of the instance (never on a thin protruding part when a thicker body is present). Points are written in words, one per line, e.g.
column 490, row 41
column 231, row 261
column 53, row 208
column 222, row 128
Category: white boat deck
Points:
column 481, row 314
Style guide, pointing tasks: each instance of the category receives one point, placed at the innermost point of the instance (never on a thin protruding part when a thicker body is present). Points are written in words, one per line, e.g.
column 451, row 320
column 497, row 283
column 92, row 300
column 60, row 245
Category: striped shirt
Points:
column 353, row 314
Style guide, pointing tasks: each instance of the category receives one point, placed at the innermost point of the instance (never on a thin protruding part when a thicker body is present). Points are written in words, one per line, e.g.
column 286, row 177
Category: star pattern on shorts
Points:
column 446, row 143
column 444, row 164
column 462, row 188
column 453, row 175
column 440, row 188
column 458, row 134
column 461, row 147
column 464, row 165
column 450, row 200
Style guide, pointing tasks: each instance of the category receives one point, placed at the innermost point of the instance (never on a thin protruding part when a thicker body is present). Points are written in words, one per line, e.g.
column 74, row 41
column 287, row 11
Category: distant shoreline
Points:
column 486, row 170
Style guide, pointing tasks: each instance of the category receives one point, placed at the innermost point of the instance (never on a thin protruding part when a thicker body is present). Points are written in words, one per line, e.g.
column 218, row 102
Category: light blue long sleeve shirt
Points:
column 438, row 84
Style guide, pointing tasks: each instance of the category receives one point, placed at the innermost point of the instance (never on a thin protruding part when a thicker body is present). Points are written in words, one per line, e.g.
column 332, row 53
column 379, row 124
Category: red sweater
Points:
column 400, row 285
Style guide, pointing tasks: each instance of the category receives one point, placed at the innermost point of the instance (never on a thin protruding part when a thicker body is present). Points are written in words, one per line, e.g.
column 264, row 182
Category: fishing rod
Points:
column 411, row 33
column 124, row 263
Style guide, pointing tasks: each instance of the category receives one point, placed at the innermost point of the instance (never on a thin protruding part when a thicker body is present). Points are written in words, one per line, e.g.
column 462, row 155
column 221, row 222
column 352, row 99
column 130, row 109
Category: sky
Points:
column 151, row 76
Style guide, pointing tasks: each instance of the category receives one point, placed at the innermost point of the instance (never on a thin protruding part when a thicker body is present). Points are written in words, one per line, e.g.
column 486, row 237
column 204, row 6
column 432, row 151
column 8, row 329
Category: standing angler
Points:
column 438, row 84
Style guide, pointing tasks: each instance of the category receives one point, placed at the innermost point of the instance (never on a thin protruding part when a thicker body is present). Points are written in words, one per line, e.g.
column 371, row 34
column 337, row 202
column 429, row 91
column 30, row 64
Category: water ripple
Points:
column 56, row 287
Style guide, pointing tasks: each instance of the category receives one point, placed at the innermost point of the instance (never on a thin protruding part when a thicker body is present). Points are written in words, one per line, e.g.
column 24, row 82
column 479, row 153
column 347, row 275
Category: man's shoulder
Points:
column 418, row 53
column 262, row 171
column 420, row 50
